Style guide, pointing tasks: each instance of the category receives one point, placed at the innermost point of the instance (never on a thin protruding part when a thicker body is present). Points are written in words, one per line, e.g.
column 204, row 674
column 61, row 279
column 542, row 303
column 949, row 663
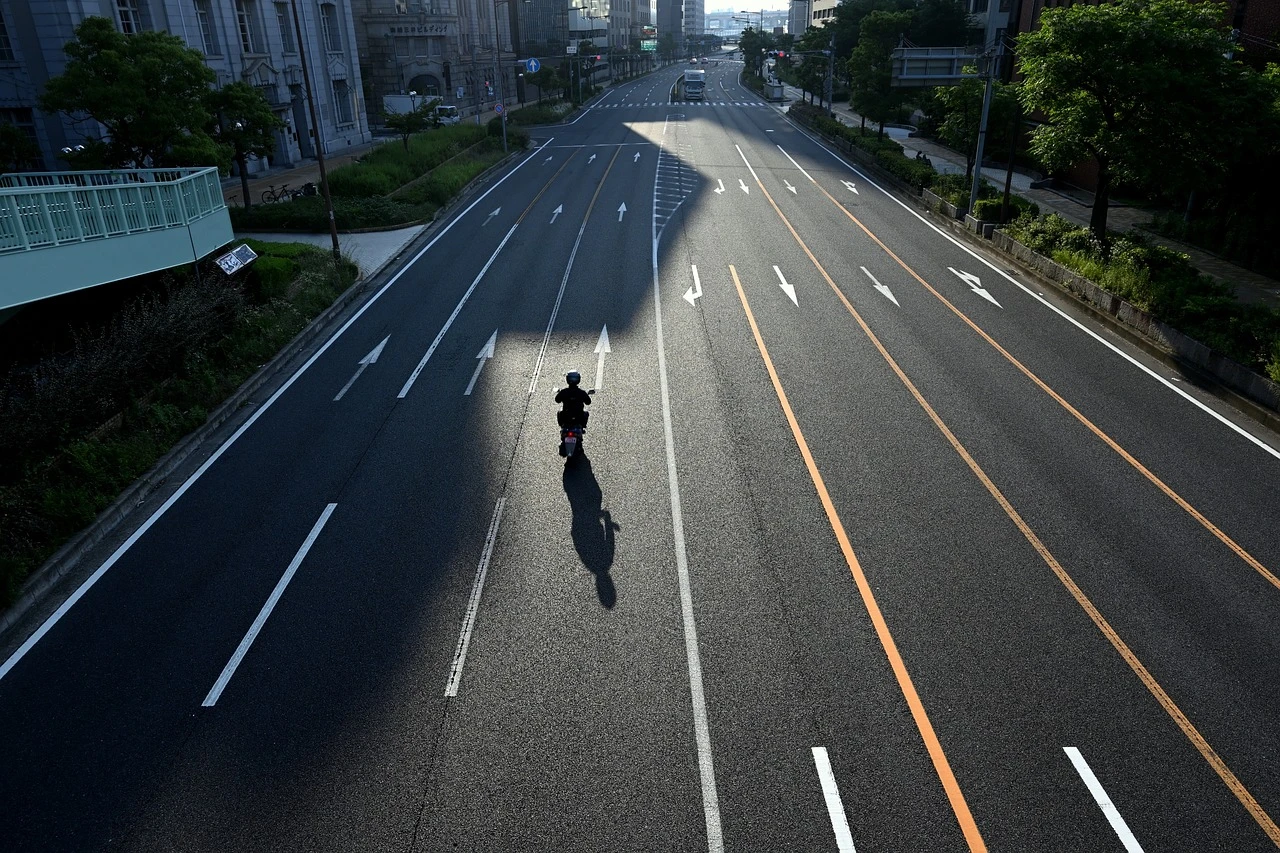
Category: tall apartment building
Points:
column 671, row 22
column 695, row 19
column 249, row 40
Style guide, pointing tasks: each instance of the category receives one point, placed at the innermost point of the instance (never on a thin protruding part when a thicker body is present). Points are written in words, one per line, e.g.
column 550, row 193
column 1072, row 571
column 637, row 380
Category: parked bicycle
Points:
column 275, row 194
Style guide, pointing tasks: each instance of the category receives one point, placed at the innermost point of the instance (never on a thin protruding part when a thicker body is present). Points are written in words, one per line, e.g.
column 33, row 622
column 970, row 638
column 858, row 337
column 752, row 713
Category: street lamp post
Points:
column 497, row 68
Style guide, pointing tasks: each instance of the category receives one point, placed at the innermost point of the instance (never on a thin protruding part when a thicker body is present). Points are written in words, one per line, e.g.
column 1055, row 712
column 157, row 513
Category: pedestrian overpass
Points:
column 65, row 231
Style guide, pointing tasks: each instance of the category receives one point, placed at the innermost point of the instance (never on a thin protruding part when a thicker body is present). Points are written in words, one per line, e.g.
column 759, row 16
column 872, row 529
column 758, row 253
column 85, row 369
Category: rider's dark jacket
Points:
column 573, row 399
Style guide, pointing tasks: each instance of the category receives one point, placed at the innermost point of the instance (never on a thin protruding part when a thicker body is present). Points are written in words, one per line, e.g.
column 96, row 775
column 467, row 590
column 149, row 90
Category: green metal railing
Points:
column 43, row 209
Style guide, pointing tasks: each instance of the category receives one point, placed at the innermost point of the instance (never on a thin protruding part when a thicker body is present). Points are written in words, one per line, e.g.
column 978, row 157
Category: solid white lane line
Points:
column 701, row 728
column 48, row 624
column 835, row 808
column 1104, row 802
column 1055, row 309
column 473, row 603
column 413, row 377
column 797, row 165
column 230, row 669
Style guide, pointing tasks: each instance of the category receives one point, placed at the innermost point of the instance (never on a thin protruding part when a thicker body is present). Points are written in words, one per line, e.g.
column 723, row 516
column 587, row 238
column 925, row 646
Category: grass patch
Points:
column 77, row 428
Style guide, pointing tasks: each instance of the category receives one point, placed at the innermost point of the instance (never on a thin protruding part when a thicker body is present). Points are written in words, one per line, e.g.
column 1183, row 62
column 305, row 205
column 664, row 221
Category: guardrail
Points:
column 44, row 209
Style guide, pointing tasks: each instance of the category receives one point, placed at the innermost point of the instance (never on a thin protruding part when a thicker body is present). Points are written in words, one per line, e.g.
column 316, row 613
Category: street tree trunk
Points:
column 1098, row 217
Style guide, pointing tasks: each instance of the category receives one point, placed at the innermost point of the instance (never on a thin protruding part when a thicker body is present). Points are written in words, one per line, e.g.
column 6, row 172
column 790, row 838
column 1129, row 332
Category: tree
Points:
column 1139, row 86
column 244, row 123
column 871, row 66
column 147, row 90
column 545, row 78
column 961, row 108
column 414, row 121
column 17, row 151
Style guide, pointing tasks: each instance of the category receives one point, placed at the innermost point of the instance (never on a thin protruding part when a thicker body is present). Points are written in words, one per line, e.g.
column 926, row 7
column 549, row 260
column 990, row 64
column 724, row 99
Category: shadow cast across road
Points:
column 592, row 527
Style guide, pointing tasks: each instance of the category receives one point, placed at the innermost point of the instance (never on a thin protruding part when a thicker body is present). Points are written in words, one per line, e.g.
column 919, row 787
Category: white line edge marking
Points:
column 252, row 634
column 473, row 603
column 797, row 165
column 701, row 728
column 835, row 808
column 217, row 454
column 1055, row 309
column 457, row 309
column 1109, row 809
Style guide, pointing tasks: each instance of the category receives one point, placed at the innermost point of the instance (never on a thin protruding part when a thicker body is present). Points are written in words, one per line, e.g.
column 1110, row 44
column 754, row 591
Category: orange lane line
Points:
column 1193, row 734
column 1236, row 547
column 918, row 713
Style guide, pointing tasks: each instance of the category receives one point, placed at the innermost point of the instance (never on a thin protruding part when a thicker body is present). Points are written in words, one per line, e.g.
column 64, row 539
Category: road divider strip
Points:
column 229, row 670
column 473, row 603
column 697, row 697
column 1166, row 702
column 941, row 766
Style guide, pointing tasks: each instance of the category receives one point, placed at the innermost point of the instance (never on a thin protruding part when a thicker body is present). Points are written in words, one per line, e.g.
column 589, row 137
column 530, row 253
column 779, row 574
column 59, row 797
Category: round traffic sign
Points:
column 532, row 65
column 497, row 108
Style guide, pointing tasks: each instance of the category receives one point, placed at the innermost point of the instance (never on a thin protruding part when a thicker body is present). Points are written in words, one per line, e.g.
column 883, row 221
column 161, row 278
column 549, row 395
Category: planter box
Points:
column 980, row 226
column 940, row 204
column 1231, row 374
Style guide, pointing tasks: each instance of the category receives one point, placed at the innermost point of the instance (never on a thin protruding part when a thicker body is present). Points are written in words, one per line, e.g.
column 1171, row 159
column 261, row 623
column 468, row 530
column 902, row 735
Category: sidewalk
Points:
column 1251, row 287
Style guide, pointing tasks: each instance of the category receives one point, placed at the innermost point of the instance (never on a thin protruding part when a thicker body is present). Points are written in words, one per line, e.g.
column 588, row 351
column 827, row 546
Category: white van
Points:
column 448, row 114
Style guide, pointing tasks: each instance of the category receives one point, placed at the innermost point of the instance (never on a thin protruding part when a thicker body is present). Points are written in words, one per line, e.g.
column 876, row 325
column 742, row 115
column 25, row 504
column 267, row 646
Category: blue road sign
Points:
column 532, row 65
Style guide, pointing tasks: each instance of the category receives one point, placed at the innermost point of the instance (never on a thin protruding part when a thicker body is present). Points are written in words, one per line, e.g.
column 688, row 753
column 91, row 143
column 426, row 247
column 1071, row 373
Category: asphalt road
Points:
column 874, row 545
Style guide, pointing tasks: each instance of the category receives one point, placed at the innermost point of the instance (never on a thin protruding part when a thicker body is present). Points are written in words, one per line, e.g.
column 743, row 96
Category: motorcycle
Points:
column 571, row 432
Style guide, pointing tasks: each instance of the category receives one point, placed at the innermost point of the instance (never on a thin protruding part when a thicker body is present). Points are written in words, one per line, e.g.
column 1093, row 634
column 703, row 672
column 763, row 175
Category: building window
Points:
column 285, row 19
column 402, row 7
column 6, row 48
column 130, row 16
column 204, row 15
column 342, row 102
column 247, row 22
column 329, row 23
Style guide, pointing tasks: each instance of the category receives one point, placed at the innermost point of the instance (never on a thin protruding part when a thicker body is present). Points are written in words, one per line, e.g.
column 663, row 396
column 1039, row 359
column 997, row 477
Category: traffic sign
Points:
column 570, row 49
column 532, row 65
column 498, row 108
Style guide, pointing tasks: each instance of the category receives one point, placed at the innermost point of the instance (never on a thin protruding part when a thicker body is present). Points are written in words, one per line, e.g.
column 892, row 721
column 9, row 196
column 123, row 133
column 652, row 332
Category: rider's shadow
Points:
column 593, row 526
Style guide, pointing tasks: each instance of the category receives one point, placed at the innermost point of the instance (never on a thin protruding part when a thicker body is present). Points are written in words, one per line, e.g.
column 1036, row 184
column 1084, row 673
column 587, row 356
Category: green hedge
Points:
column 308, row 214
column 544, row 113
column 1162, row 282
column 887, row 153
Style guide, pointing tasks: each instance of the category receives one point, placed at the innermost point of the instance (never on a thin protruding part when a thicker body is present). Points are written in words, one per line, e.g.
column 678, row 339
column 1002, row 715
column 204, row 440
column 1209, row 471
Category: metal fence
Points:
column 43, row 209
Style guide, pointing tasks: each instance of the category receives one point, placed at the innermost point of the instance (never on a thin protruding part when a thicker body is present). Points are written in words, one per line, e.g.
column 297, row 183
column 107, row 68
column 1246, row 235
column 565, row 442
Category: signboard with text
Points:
column 649, row 44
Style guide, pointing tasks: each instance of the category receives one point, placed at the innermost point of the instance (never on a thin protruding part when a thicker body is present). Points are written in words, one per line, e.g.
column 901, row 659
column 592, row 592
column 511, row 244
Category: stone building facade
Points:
column 250, row 40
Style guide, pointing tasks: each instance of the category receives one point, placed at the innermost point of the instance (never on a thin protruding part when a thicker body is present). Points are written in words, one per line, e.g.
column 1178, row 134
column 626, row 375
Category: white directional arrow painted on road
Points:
column 559, row 210
column 602, row 347
column 880, row 287
column 974, row 282
column 849, row 185
column 786, row 288
column 486, row 353
column 636, row 159
column 691, row 295
column 622, row 209
column 744, row 186
column 720, row 189
column 496, row 211
column 546, row 161
column 589, row 159
column 788, row 183
column 364, row 362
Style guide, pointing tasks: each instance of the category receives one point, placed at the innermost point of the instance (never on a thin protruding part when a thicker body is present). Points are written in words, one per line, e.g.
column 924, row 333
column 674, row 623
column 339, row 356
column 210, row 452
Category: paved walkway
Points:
column 1076, row 206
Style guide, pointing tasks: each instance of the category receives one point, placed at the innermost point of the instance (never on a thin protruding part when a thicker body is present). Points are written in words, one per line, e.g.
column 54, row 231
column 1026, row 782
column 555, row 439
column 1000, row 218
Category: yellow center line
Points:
column 1237, row 548
column 548, row 184
column 1193, row 734
column 941, row 766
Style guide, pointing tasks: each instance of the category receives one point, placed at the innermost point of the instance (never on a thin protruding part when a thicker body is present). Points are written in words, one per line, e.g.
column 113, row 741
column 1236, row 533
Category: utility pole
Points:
column 315, row 129
column 992, row 65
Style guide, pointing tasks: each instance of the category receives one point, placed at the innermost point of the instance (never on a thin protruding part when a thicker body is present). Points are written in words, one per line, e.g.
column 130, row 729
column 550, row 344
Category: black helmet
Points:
column 573, row 377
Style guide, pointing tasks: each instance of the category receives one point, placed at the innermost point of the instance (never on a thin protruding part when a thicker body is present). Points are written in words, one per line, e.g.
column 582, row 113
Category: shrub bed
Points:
column 887, row 153
column 1163, row 283
column 548, row 112
column 79, row 427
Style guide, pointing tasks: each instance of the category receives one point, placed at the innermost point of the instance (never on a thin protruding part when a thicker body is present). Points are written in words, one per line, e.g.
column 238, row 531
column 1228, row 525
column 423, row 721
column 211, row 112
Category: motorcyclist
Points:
column 573, row 401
